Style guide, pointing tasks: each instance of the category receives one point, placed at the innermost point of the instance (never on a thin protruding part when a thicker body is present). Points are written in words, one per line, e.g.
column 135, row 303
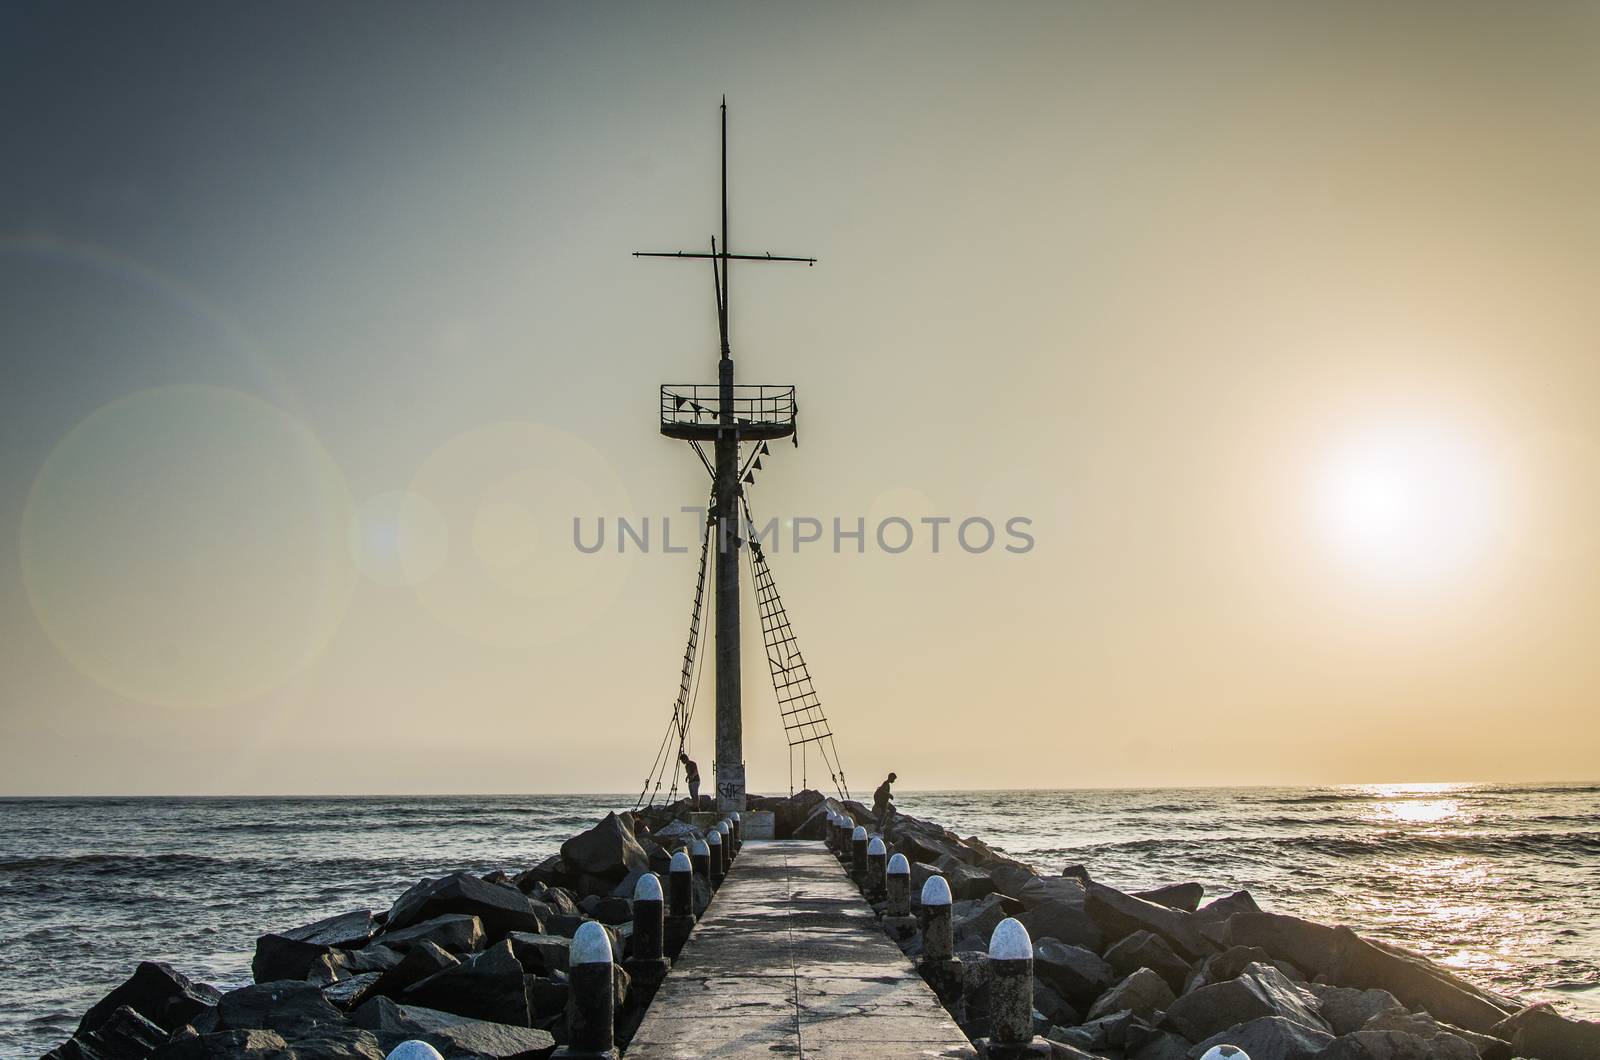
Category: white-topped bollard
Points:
column 647, row 963
column 680, row 903
column 1011, row 993
column 829, row 826
column 718, row 869
column 700, row 858
column 1225, row 1052
column 591, row 995
column 858, row 856
column 737, row 831
column 841, row 837
column 725, row 830
column 415, row 1050
column 898, row 923
column 897, row 885
column 939, row 964
column 877, row 867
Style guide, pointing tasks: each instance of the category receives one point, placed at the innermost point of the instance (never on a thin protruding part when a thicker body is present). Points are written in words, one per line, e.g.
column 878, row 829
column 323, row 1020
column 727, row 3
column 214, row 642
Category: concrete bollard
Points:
column 938, row 963
column 700, row 858
column 648, row 964
column 591, row 995
column 680, row 903
column 858, row 856
column 1225, row 1052
column 1011, row 993
column 725, row 830
column 718, row 868
column 415, row 1050
column 877, row 868
column 830, row 825
column 837, row 838
column 897, row 885
column 738, row 831
column 898, row 923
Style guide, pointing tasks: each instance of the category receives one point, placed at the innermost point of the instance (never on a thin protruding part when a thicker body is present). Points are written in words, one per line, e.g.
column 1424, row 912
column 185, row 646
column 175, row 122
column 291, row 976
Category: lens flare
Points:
column 184, row 546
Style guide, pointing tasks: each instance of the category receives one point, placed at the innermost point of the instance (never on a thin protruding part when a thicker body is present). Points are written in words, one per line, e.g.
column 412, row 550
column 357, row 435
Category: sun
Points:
column 1409, row 504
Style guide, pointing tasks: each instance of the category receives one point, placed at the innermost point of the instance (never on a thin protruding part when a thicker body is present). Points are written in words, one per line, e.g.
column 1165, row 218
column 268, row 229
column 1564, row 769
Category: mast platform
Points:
column 693, row 411
column 789, row 961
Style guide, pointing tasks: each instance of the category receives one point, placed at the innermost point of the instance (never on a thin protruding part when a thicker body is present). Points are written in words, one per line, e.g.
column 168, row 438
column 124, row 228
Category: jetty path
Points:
column 789, row 961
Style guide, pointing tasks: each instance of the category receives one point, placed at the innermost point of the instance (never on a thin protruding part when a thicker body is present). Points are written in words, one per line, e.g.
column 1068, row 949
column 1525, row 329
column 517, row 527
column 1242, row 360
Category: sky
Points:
column 1275, row 323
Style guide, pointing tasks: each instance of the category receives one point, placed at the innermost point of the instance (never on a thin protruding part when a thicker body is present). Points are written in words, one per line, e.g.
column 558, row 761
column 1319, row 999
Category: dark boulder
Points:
column 374, row 958
column 1311, row 947
column 1184, row 896
column 1119, row 914
column 1078, row 974
column 1143, row 993
column 1444, row 1038
column 547, row 995
column 1143, row 949
column 540, row 954
column 1220, row 967
column 452, row 1035
column 921, row 872
column 157, row 992
column 1052, row 1006
column 552, row 871
column 487, row 987
column 500, row 907
column 1390, row 1045
column 346, row 994
column 289, row 954
column 1067, row 921
column 1347, row 1009
column 1269, row 1038
column 1211, row 919
column 973, row 921
column 1121, row 1031
column 340, row 1043
column 1042, row 889
column 454, row 932
column 1009, row 876
column 609, row 851
column 614, row 910
column 966, row 882
column 1417, row 982
column 224, row 1045
column 1539, row 1031
column 293, row 1009
column 422, row 960
column 1163, row 1045
column 1259, row 992
column 123, row 1035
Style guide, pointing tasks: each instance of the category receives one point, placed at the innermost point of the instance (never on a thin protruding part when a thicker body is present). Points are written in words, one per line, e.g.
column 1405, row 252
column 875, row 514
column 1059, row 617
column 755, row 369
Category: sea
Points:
column 1499, row 882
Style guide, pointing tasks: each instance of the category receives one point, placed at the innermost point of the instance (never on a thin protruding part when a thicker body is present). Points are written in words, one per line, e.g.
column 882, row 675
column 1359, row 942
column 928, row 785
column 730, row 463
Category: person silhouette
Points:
column 691, row 774
column 883, row 805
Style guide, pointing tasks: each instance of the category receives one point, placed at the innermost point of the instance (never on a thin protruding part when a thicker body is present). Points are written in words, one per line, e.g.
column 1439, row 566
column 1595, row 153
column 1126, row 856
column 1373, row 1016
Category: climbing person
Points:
column 691, row 774
column 883, row 805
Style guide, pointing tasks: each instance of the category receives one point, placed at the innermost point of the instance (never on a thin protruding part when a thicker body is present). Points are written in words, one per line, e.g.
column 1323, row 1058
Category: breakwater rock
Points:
column 478, row 966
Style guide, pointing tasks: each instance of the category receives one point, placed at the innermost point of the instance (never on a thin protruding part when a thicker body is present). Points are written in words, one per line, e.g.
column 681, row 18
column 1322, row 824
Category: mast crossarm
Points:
column 718, row 256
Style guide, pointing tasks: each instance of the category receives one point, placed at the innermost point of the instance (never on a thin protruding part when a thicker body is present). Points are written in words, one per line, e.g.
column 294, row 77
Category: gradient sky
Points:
column 319, row 326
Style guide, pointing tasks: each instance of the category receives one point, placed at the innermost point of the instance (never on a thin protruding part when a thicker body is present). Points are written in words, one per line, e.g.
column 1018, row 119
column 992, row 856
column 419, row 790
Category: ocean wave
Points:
column 1492, row 844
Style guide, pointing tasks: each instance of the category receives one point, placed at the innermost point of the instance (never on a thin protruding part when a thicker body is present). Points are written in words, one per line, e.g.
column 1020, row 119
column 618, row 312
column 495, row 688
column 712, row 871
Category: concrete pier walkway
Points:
column 789, row 961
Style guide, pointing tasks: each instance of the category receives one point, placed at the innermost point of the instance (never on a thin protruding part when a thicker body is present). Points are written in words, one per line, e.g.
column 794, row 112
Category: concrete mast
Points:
column 730, row 705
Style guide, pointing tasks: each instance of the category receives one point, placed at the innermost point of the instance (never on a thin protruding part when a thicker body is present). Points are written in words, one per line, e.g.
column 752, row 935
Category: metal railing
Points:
column 700, row 404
